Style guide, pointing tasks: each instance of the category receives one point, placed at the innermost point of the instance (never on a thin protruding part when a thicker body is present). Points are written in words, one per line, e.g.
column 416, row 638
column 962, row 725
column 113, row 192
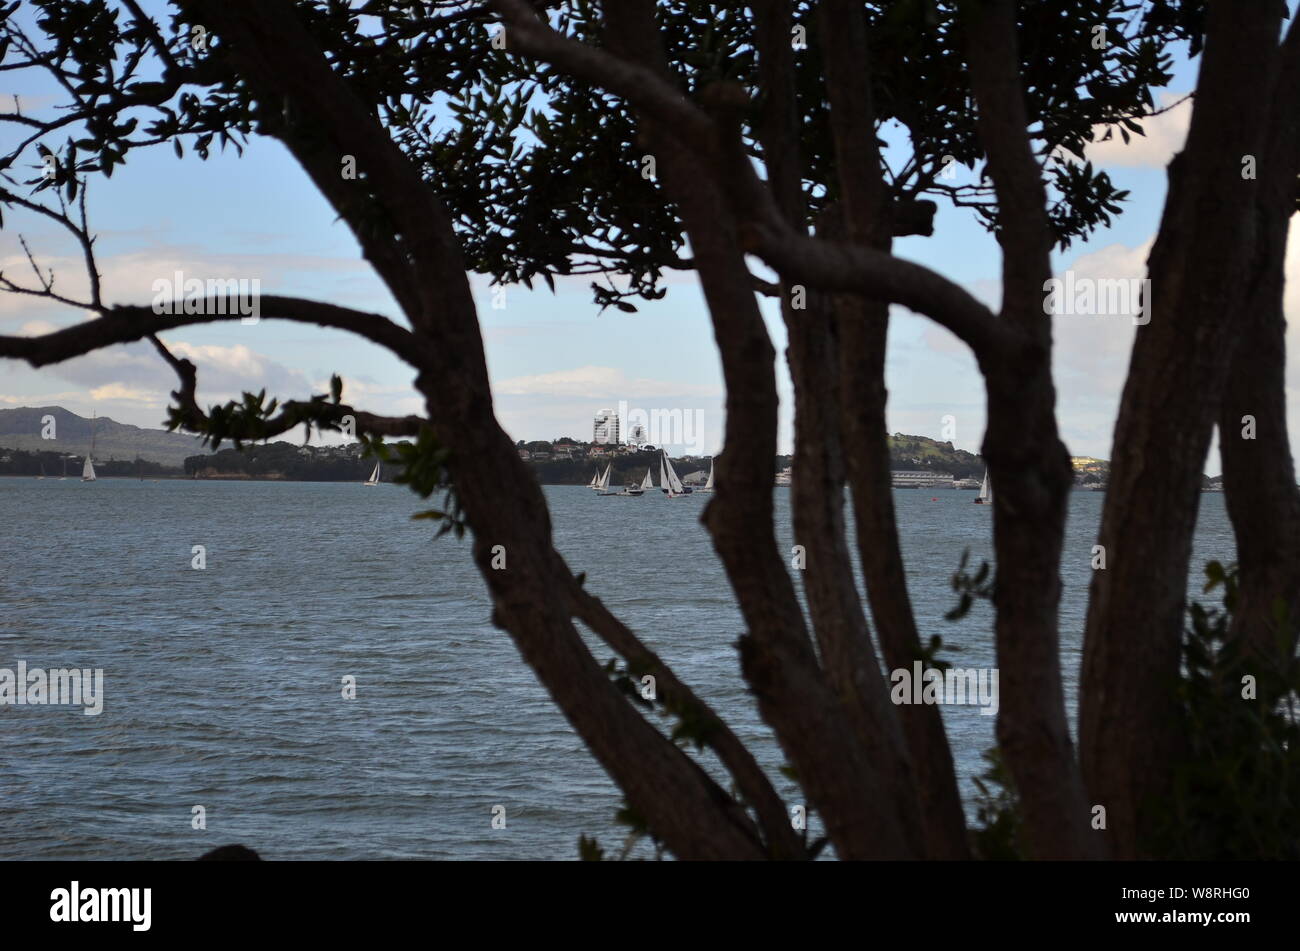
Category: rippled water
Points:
column 223, row 686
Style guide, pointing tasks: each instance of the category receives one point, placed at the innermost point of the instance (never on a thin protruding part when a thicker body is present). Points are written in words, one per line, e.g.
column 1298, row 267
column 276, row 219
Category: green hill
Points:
column 921, row 452
column 21, row 429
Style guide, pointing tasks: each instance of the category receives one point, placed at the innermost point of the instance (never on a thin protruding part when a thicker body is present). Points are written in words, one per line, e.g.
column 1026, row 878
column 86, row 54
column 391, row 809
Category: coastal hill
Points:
column 21, row 429
column 563, row 461
column 921, row 452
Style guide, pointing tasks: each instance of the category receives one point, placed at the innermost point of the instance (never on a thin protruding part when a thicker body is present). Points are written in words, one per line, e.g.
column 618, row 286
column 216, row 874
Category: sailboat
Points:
column 647, row 483
column 595, row 480
column 602, row 483
column 635, row 488
column 708, row 486
column 668, row 481
column 88, row 468
column 65, row 469
column 374, row 476
column 42, row 475
column 986, row 492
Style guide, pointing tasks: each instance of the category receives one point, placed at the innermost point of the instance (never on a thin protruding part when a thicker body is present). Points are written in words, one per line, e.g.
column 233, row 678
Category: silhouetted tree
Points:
column 594, row 139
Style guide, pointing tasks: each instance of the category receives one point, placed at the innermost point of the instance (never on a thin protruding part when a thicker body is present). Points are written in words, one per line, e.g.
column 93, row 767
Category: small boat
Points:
column 602, row 484
column 594, row 484
column 65, row 469
column 668, row 481
column 647, row 483
column 42, row 475
column 986, row 492
column 708, row 486
column 374, row 476
column 88, row 468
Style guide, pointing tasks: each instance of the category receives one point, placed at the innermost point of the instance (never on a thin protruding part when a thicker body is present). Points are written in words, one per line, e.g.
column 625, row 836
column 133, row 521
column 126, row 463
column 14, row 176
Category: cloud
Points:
column 1164, row 136
column 117, row 392
column 1091, row 353
column 1291, row 310
column 128, row 277
column 1090, row 359
column 43, row 399
column 598, row 383
column 135, row 373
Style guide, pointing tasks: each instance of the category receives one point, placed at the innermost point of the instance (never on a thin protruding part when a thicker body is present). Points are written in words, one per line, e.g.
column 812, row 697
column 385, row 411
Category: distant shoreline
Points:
column 246, row 478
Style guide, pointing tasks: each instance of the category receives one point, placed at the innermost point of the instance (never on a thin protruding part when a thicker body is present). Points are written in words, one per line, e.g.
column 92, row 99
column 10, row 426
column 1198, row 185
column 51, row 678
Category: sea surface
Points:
column 223, row 686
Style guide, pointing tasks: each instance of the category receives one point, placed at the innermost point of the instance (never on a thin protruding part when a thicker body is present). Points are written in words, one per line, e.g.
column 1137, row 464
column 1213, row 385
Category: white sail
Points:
column 708, row 486
column 595, row 479
column 603, row 482
column 670, row 481
column 88, row 470
column 374, row 476
column 986, row 492
column 647, row 482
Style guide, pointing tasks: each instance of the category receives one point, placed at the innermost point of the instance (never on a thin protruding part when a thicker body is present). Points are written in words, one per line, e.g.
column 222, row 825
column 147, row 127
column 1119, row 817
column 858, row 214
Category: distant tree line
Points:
column 22, row 462
column 282, row 460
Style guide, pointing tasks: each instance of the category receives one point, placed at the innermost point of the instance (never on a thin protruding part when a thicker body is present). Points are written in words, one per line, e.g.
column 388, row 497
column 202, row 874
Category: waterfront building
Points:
column 604, row 430
column 920, row 478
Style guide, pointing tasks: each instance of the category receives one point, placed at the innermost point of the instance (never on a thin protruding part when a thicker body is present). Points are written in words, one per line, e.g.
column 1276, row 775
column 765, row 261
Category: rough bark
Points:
column 817, row 495
column 756, row 790
column 777, row 657
column 1259, row 473
column 1028, row 464
column 1129, row 722
column 860, row 326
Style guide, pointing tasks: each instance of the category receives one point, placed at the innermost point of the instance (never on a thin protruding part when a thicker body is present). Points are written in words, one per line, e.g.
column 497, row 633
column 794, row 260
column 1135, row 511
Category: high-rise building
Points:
column 605, row 430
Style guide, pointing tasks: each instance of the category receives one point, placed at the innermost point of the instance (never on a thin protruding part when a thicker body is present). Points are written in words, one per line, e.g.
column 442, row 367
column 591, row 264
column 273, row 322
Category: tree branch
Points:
column 1023, row 227
column 799, row 259
column 293, row 413
column 124, row 324
column 750, row 779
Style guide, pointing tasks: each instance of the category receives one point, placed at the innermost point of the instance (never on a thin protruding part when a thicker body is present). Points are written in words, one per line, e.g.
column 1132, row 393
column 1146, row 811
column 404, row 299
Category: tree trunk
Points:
column 860, row 329
column 1129, row 715
column 777, row 657
column 1028, row 465
column 1258, row 473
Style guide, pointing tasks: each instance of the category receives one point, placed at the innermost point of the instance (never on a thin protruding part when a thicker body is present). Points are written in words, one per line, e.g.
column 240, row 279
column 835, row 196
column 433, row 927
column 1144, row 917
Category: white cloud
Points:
column 120, row 393
column 128, row 277
column 1091, row 352
column 1164, row 136
column 597, row 383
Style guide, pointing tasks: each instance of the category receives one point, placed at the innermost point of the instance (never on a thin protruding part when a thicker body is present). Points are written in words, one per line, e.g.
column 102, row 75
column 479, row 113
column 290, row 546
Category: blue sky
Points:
column 554, row 361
